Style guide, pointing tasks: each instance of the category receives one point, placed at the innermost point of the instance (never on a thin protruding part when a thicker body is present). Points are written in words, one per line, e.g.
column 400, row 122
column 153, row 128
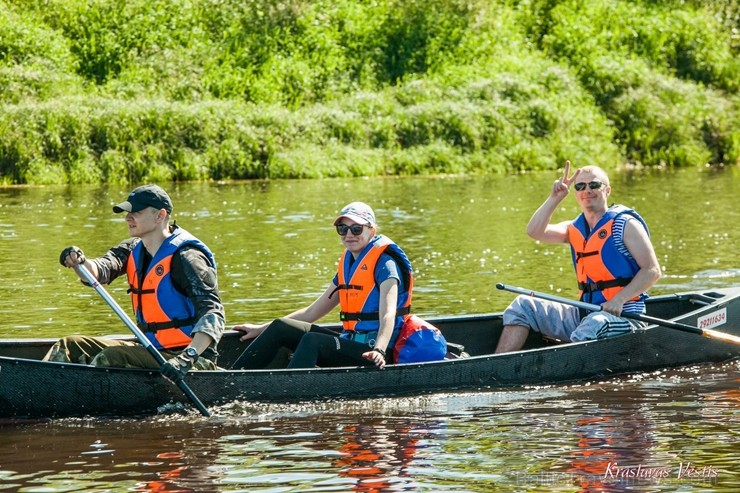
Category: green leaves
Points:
column 232, row 89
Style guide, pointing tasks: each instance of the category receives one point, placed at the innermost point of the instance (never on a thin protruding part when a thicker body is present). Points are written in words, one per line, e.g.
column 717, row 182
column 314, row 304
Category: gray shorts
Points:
column 564, row 322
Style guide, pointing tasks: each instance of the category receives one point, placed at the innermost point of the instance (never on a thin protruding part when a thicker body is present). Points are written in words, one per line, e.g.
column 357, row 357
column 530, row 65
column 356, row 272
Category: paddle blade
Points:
column 721, row 336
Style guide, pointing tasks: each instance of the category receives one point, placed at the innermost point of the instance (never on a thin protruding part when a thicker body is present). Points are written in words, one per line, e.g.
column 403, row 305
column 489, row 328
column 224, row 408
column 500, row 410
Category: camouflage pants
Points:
column 116, row 353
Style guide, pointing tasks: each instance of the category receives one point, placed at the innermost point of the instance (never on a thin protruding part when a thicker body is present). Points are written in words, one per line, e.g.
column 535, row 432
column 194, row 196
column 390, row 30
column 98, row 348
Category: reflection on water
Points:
column 666, row 431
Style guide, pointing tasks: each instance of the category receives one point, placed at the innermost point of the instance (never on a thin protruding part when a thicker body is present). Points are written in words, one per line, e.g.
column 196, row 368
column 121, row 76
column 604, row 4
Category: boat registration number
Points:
column 713, row 319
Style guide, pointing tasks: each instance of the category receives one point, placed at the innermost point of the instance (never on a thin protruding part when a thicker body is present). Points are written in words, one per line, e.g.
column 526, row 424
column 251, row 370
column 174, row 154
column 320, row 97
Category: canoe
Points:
column 30, row 388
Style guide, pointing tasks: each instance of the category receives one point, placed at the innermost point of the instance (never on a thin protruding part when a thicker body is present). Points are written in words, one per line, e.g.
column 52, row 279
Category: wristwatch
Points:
column 191, row 353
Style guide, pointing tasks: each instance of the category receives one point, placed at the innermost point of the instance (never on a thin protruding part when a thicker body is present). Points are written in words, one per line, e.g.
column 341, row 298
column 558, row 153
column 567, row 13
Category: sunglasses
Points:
column 356, row 229
column 592, row 185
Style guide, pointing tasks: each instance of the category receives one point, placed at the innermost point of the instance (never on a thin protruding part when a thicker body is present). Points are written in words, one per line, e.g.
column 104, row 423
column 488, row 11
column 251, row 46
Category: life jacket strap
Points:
column 345, row 286
column 134, row 290
column 580, row 255
column 172, row 324
column 590, row 287
column 368, row 316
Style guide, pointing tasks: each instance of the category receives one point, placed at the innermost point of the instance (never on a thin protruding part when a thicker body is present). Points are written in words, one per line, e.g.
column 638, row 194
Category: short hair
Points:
column 596, row 170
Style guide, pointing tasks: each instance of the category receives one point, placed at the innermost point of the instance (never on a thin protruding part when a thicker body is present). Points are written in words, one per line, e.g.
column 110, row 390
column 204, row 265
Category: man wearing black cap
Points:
column 174, row 291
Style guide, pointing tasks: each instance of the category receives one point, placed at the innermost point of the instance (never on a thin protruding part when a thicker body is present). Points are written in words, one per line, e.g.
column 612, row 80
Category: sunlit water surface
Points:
column 674, row 430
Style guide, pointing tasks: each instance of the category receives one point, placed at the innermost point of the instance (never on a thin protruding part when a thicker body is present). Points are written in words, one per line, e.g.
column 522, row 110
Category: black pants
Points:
column 312, row 345
column 321, row 349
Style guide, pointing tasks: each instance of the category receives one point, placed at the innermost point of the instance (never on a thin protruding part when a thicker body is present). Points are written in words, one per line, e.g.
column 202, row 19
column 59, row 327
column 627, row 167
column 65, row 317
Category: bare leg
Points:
column 512, row 338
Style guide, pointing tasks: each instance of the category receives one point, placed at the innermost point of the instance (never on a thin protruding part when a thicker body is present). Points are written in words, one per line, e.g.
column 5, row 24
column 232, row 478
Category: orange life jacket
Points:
column 601, row 269
column 164, row 314
column 359, row 296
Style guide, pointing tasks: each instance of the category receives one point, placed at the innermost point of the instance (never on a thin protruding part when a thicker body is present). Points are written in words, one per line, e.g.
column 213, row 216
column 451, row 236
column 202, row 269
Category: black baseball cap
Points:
column 143, row 197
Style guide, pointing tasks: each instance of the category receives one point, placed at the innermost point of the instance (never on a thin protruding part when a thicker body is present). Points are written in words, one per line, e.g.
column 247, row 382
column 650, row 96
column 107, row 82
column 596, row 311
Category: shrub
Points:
column 220, row 89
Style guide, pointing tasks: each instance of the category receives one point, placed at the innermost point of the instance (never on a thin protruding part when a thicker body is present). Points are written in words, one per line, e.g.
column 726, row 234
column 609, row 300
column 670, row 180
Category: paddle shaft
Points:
column 636, row 316
column 87, row 275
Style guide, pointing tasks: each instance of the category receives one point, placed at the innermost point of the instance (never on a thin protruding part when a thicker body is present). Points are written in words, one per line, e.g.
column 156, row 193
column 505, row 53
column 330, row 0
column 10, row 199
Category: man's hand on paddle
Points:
column 613, row 306
column 561, row 187
column 175, row 369
column 71, row 256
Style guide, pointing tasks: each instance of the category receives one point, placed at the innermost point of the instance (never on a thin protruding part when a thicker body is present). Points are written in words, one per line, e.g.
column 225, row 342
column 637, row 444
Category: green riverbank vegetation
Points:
column 104, row 91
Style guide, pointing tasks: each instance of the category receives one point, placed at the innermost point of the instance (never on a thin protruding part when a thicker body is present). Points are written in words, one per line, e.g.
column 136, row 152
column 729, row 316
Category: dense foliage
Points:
column 159, row 90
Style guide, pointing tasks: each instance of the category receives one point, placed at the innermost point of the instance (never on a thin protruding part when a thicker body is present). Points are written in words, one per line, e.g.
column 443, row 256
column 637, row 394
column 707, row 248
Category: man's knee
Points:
column 58, row 353
column 135, row 356
column 519, row 311
column 70, row 349
column 109, row 358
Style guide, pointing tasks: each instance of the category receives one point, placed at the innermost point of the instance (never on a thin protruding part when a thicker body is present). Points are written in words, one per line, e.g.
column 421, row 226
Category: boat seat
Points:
column 551, row 341
column 455, row 351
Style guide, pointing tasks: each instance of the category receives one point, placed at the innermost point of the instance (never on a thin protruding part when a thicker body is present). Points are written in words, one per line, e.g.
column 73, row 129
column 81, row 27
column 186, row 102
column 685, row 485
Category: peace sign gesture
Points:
column 561, row 187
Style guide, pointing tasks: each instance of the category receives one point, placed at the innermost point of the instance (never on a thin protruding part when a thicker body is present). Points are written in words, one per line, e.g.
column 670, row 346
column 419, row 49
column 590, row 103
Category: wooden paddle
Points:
column 712, row 334
column 87, row 275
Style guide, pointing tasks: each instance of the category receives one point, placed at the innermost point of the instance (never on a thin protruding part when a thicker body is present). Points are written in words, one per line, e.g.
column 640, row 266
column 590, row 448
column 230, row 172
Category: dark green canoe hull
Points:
column 30, row 388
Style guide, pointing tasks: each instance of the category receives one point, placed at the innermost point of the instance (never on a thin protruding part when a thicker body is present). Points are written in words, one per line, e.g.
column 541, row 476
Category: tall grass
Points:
column 106, row 91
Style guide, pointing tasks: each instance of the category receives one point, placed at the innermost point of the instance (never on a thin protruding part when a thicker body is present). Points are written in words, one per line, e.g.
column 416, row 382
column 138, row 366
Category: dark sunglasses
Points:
column 593, row 185
column 355, row 228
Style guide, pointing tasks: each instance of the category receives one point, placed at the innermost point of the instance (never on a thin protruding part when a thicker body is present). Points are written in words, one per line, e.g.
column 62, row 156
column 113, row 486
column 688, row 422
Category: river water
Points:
column 277, row 250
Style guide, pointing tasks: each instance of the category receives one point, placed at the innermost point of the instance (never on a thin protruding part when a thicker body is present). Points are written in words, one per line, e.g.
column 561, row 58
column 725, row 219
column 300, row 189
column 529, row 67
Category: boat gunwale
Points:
column 730, row 294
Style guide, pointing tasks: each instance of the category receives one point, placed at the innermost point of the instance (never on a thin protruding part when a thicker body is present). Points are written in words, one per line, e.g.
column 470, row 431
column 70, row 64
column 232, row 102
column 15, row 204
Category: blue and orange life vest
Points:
column 601, row 269
column 165, row 315
column 359, row 295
